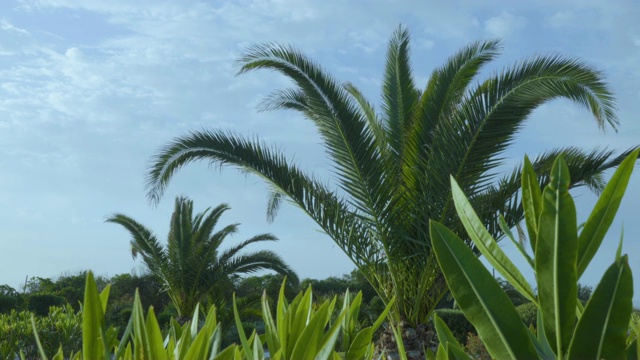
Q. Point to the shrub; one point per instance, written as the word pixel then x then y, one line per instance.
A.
pixel 528 313
pixel 61 327
pixel 39 304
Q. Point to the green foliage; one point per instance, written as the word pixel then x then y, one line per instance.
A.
pixel 39 304
pixel 192 268
pixel 528 313
pixel 9 299
pixel 299 331
pixel 457 322
pixel 392 163
pixel 560 255
pixel 61 327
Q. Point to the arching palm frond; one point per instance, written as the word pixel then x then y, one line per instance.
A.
pixel 393 166
pixel 191 267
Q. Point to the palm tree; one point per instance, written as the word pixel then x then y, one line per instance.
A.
pixel 393 164
pixel 191 267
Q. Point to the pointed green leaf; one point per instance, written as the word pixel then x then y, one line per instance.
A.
pixel 444 334
pixel 545 347
pixel 156 347
pixel 604 212
pixel 401 350
pixel 602 331
pixel 556 258
pixel 270 330
pixel 329 340
pixel 246 347
pixel 505 228
pixel 456 353
pixel 92 321
pixel 487 245
pixel 531 201
pixel 480 297
pixel 43 355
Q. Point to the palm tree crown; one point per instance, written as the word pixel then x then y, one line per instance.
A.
pixel 191 267
pixel 393 164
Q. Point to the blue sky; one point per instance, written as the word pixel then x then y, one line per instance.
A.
pixel 91 89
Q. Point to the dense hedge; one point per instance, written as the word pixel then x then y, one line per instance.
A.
pixel 39 304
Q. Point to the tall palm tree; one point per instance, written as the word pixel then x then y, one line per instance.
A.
pixel 191 267
pixel 393 164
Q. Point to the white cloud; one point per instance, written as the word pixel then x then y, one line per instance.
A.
pixel 505 25
pixel 561 19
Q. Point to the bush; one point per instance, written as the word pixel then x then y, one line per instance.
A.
pixel 39 304
pixel 528 313
pixel 60 327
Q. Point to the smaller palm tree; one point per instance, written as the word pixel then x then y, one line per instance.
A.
pixel 191 267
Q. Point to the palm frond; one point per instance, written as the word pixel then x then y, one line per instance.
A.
pixel 493 112
pixel 346 134
pixel 256 261
pixel 399 94
pixel 143 241
pixel 332 214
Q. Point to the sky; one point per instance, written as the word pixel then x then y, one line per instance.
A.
pixel 90 90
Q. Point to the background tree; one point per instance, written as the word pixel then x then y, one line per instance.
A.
pixel 192 268
pixel 393 164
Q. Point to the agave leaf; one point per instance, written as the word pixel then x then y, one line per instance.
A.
pixel 531 201
pixel 456 353
pixel 43 355
pixel 156 348
pixel 124 340
pixel 359 344
pixel 308 341
pixel 505 228
pixel 104 297
pixel 487 245
pixel 216 342
pixel 444 334
pixel 383 315
pixel 602 331
pixel 329 339
pixel 270 330
pixel 401 351
pixel 58 356
pixel 556 258
pixel 441 353
pixel 281 311
pixel 604 212
pixel 92 321
pixel 545 347
pixel 480 297
pixel 246 347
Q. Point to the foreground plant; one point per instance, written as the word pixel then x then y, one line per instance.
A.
pixel 301 331
pixel 392 164
pixel 565 329
pixel 298 332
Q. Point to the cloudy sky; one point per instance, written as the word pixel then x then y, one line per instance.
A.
pixel 91 89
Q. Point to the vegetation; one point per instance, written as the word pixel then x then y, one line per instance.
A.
pixel 560 255
pixel 392 166
pixel 192 268
pixel 298 331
